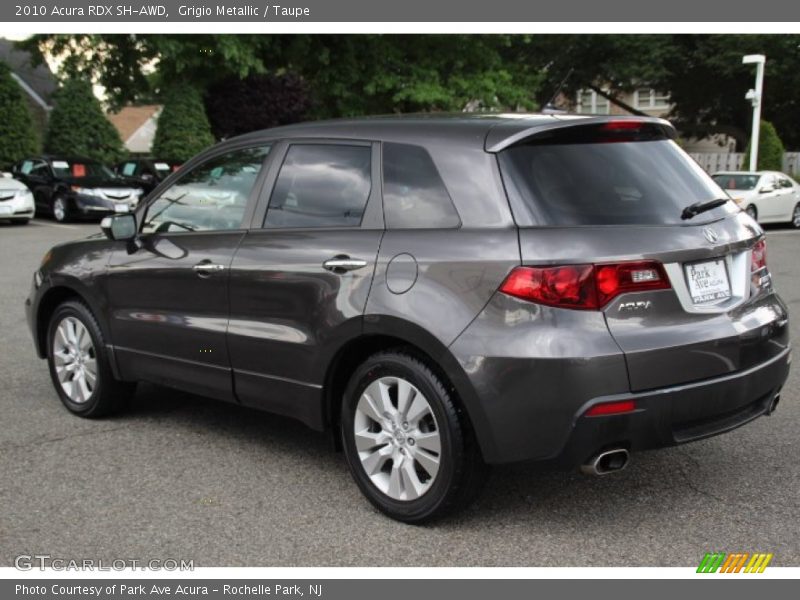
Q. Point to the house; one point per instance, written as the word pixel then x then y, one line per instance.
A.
pixel 651 102
pixel 137 127
pixel 37 82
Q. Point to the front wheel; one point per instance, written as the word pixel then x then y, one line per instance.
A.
pixel 796 216
pixel 60 209
pixel 409 446
pixel 79 365
pixel 751 210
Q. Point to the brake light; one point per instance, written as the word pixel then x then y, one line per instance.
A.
pixel 584 287
pixel 611 408
pixel 759 256
pixel 621 125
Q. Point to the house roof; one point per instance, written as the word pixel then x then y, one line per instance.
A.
pixel 39 78
pixel 131 118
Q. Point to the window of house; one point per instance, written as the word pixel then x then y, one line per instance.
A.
pixel 592 103
pixel 648 98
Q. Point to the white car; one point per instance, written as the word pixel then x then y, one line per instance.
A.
pixel 16 201
pixel 767 196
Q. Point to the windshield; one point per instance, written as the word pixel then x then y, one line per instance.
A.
pixel 736 182
pixel 606 183
pixel 81 169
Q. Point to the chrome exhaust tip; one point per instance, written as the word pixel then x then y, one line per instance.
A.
pixel 773 406
pixel 607 462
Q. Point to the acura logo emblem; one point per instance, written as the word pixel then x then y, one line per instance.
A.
pixel 710 234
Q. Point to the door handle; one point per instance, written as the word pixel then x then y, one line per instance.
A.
pixel 342 264
pixel 206 267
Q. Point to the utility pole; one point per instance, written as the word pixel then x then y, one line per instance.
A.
pixel 755 99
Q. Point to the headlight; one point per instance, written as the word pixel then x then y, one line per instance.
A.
pixel 82 190
pixel 23 195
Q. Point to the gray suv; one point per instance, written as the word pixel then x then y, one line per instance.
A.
pixel 441 293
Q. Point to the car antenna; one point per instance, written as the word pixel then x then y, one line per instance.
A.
pixel 549 106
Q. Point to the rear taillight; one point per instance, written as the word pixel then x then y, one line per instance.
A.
pixel 759 256
pixel 584 287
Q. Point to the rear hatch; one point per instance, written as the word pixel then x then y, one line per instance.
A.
pixel 685 292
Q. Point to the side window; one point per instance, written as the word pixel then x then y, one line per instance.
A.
pixel 414 194
pixel 39 169
pixel 321 185
pixel 784 182
pixel 212 196
pixel 128 169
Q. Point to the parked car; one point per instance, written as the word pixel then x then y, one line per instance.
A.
pixel 147 172
pixel 16 201
pixel 767 196
pixel 72 187
pixel 439 293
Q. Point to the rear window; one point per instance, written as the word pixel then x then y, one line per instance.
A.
pixel 605 182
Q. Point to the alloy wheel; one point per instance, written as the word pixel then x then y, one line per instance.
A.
pixel 397 438
pixel 75 360
pixel 796 216
pixel 59 209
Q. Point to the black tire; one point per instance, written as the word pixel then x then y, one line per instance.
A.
pixel 62 215
pixel 462 471
pixel 108 395
pixel 752 211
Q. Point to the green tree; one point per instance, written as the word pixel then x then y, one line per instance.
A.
pixel 78 126
pixel 347 74
pixel 183 128
pixel 770 149
pixel 18 136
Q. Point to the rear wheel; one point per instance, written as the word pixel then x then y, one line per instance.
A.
pixel 751 210
pixel 79 365
pixel 409 446
pixel 796 216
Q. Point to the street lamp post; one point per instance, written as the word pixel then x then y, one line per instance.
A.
pixel 755 99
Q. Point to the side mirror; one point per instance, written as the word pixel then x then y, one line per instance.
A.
pixel 767 189
pixel 119 227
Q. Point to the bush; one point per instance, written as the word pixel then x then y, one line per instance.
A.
pixel 183 128
pixel 237 106
pixel 78 126
pixel 18 137
pixel 770 150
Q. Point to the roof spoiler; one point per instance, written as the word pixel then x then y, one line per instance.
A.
pixel 504 135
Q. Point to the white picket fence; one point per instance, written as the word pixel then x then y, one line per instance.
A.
pixel 732 161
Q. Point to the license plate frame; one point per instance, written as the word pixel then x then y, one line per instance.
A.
pixel 708 281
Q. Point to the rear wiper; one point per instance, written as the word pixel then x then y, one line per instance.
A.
pixel 700 207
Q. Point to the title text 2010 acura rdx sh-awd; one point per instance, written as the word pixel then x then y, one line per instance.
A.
pixel 442 292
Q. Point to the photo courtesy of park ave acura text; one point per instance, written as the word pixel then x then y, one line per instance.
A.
pixel 399 300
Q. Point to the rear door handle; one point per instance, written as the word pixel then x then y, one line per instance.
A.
pixel 342 264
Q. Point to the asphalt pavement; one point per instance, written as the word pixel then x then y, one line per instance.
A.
pixel 180 476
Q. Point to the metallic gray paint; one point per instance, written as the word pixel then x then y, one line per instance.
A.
pixel 275 319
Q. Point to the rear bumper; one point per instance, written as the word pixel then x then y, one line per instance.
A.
pixel 679 414
pixel 529 373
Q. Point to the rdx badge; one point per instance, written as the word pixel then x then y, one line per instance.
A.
pixel 634 306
